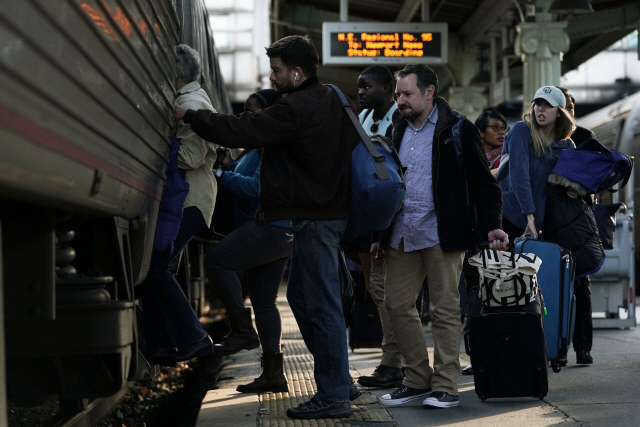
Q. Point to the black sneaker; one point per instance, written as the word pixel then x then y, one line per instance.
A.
pixel 316 408
pixel 583 357
pixel 404 395
pixel 383 377
pixel 354 393
pixel 440 399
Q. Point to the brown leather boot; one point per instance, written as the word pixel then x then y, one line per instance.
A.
pixel 272 377
pixel 242 337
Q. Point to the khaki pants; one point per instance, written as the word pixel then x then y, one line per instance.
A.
pixel 404 274
pixel 374 278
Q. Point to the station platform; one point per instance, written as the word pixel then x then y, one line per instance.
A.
pixel 606 393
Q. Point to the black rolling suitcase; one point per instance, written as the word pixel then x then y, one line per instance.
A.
pixel 366 331
pixel 508 350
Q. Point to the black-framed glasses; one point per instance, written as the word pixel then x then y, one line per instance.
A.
pixel 498 128
pixel 374 127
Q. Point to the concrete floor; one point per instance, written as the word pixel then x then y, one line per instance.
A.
pixel 606 393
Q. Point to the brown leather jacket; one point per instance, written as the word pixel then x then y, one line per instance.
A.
pixel 306 160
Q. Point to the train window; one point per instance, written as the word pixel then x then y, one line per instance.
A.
pixel 220 23
pixel 226 4
pixel 244 39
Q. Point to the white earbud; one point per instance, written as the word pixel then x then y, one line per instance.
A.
pixel 296 77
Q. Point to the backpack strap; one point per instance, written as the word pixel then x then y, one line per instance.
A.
pixel 455 138
pixel 378 158
pixel 389 133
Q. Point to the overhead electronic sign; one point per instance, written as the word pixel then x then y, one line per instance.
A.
pixel 366 43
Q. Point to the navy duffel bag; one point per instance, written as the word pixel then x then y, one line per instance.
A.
pixel 377 182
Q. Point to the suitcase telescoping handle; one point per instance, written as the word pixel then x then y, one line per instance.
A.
pixel 522 239
pixel 543 306
pixel 467 345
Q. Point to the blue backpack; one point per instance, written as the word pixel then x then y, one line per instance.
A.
pixel 377 184
pixel 594 166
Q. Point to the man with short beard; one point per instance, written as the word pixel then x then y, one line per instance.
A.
pixel 432 233
pixel 305 176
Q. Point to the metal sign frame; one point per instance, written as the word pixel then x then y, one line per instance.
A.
pixel 375 28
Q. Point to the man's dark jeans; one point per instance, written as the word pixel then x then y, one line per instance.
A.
pixel 314 296
pixel 169 319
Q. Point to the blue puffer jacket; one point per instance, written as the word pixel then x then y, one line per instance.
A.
pixel 244 183
pixel 524 187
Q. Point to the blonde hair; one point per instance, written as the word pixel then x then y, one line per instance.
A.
pixel 564 127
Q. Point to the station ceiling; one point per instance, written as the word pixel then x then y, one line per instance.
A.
pixel 471 22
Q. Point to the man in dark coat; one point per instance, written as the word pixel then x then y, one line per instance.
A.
pixel 307 140
pixel 432 233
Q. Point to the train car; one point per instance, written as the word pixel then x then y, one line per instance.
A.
pixel 615 286
pixel 85 122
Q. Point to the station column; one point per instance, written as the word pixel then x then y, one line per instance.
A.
pixel 468 100
pixel 541 45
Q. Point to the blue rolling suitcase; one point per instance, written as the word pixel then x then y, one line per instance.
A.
pixel 555 278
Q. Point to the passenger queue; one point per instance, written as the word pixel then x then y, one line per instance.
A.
pixel 291 198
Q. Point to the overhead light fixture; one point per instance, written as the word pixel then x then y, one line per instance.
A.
pixel 530 9
pixel 570 7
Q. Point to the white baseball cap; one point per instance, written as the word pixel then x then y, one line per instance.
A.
pixel 552 95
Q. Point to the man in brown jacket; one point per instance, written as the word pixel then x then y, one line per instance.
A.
pixel 307 141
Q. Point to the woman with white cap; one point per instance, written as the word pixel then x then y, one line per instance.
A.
pixel 529 154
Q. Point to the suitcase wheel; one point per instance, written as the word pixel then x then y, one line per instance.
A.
pixel 556 368
pixel 480 380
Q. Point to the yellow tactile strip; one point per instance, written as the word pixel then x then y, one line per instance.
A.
pixel 298 365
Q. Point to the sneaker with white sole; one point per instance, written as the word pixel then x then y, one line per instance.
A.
pixel 404 395
pixel 440 399
pixel 468 370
